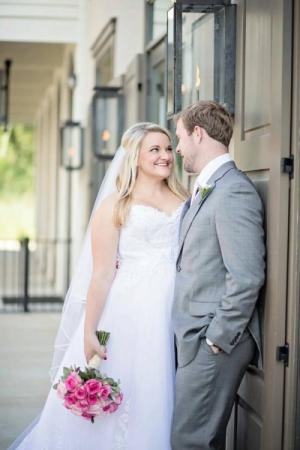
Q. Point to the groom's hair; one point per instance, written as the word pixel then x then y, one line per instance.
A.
pixel 211 116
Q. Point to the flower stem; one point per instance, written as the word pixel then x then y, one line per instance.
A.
pixel 102 336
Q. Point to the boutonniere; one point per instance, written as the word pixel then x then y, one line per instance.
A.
pixel 205 190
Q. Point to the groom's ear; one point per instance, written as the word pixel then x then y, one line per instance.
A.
pixel 198 134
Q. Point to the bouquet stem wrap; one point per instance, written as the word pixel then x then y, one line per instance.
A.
pixel 95 361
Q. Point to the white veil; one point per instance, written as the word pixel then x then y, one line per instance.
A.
pixel 75 300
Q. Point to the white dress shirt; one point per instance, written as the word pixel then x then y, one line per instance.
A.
pixel 208 171
pixel 202 179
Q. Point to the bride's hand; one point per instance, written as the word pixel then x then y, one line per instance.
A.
pixel 92 347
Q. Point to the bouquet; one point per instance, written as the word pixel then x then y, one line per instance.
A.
pixel 89 393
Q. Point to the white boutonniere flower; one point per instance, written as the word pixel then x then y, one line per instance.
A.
pixel 205 190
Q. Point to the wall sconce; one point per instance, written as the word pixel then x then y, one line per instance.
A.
pixel 4 93
pixel 107 121
pixel 200 53
pixel 72 145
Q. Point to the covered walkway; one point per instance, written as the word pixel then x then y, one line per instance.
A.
pixel 25 354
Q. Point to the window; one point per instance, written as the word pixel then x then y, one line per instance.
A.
pixel 157 18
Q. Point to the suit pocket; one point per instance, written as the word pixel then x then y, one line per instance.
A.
pixel 203 229
pixel 203 222
pixel 202 308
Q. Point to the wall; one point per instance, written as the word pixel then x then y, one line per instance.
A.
pixel 39 20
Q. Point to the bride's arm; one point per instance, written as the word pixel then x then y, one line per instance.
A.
pixel 105 238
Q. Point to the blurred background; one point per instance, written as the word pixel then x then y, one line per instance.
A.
pixel 74 74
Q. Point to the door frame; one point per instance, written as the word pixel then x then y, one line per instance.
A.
pixel 291 431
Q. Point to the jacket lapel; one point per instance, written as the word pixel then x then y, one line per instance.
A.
pixel 189 216
pixel 185 209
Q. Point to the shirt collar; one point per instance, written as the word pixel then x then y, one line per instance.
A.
pixel 211 168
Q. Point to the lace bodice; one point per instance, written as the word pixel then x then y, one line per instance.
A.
pixel 149 234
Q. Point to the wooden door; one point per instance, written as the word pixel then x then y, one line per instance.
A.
pixel 261 141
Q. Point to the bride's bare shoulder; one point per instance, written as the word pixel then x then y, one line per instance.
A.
pixel 110 201
pixel 104 213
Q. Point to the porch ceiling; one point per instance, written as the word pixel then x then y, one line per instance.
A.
pixel 32 71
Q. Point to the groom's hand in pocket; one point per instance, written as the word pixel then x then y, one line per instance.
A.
pixel 215 349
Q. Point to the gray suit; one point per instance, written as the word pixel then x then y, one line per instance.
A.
pixel 220 270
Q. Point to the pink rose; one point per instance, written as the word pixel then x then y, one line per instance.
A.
pixel 70 400
pixel 93 386
pixel 80 393
pixel 83 404
pixel 105 391
pixel 75 409
pixel 73 380
pixel 92 399
pixel 61 389
pixel 112 407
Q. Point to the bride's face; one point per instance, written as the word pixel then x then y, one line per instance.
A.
pixel 156 156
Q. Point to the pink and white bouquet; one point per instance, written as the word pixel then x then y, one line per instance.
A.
pixel 88 393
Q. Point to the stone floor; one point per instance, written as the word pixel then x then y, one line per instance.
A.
pixel 26 346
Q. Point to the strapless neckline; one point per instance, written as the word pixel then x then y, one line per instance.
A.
pixel 159 211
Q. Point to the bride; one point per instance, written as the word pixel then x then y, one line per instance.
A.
pixel 126 274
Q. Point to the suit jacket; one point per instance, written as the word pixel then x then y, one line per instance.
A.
pixel 220 267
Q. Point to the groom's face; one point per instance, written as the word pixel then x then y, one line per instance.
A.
pixel 186 147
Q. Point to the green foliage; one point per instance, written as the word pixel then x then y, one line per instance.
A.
pixel 17 165
pixel 17 173
pixel 67 371
pixel 17 217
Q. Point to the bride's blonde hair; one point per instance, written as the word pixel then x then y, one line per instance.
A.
pixel 132 141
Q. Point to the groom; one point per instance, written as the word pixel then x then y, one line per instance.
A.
pixel 220 270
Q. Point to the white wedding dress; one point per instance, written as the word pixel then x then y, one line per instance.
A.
pixel 140 349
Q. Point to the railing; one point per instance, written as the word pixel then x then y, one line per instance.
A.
pixel 33 274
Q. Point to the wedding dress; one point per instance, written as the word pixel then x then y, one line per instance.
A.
pixel 140 350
